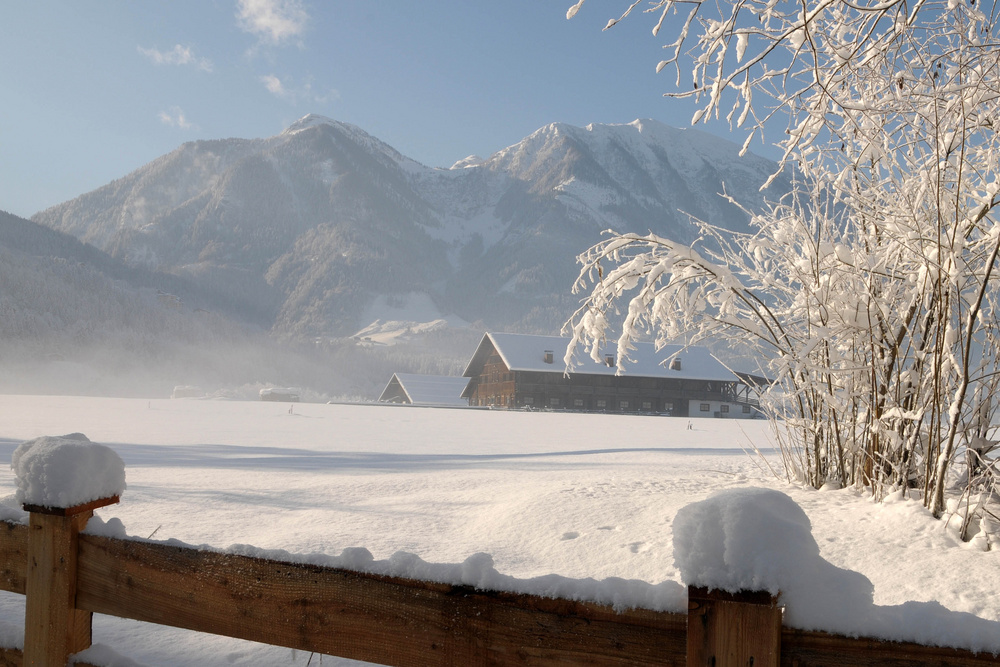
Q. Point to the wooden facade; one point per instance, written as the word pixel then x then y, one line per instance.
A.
pixel 394 393
pixel 494 383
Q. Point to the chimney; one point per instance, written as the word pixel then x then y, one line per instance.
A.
pixel 675 364
pixel 548 356
pixel 609 359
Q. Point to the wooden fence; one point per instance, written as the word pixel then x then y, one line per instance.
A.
pixel 68 576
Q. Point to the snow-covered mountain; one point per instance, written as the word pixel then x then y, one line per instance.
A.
pixel 309 230
pixel 75 320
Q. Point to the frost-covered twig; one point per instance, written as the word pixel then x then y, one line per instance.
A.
pixel 868 293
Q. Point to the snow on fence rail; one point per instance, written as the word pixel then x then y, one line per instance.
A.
pixel 68 575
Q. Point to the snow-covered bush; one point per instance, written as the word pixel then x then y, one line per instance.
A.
pixel 869 293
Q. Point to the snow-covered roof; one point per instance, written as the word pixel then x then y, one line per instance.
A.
pixel 430 389
pixel 523 352
pixel 278 391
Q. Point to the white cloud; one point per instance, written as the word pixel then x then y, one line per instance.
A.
pixel 273 21
pixel 179 55
pixel 274 85
pixel 175 118
pixel 303 92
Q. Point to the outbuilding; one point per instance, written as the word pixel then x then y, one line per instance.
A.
pixel 415 389
pixel 527 371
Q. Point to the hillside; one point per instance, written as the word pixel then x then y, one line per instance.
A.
pixel 74 320
pixel 307 231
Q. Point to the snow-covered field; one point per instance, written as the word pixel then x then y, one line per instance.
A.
pixel 582 496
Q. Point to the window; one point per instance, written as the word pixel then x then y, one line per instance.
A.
pixel 529 400
pixel 705 407
pixel 668 406
pixel 746 409
pixel 577 402
pixel 723 408
pixel 601 404
pixel 623 405
pixel 554 402
pixel 647 405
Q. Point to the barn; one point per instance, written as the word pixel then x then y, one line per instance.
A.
pixel 414 389
pixel 526 371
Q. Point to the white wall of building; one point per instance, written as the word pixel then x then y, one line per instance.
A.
pixel 720 409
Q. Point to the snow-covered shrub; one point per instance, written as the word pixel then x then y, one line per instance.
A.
pixel 869 293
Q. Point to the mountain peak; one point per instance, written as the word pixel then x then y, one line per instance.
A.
pixel 310 120
pixel 470 161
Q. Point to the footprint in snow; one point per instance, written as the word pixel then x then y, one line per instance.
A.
pixel 572 535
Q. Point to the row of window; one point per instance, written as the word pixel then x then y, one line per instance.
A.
pixel 557 403
pixel 626 382
pixel 602 404
pixel 724 408
pixel 494 376
pixel 503 400
pixel 624 404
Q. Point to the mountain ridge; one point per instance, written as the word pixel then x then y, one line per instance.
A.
pixel 310 227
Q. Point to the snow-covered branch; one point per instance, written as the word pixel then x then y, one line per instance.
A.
pixel 869 293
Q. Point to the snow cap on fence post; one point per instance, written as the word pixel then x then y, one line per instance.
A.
pixel 741 539
pixel 760 540
pixel 69 472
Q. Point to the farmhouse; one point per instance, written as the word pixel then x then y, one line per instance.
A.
pixel 281 394
pixel 416 389
pixel 523 371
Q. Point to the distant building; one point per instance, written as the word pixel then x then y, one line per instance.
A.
pixel 414 389
pixel 280 394
pixel 169 300
pixel 187 391
pixel 522 371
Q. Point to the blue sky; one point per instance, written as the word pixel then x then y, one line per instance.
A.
pixel 91 90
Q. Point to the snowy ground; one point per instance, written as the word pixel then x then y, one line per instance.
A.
pixel 575 495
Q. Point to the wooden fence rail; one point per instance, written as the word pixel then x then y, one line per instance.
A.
pixel 396 621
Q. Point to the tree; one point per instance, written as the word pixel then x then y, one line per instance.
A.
pixel 869 293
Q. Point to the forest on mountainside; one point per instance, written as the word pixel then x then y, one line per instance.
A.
pixel 74 320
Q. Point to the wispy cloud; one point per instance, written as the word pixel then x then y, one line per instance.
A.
pixel 273 21
pixel 301 92
pixel 179 55
pixel 175 118
pixel 274 85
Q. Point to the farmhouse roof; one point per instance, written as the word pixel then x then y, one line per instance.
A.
pixel 430 389
pixel 522 352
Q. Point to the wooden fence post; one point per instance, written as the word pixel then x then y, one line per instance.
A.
pixel 54 628
pixel 733 629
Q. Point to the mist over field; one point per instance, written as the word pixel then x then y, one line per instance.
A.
pixel 323 259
